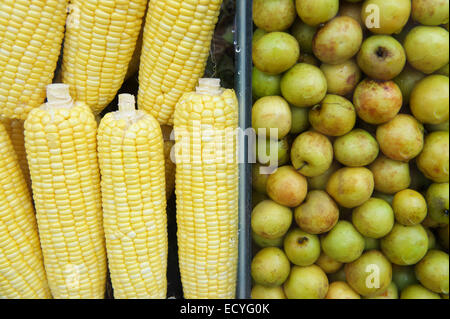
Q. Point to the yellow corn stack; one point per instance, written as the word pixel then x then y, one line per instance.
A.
pixel 31 32
pixel 60 139
pixel 130 150
pixel 15 131
pixel 207 190
pixel 177 38
pixel 22 274
pixel 169 162
pixel 100 40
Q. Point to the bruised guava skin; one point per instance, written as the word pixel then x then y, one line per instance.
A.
pixel 287 187
pixel 320 182
pixel 315 12
pixel 430 223
pixel 351 9
pixel 269 114
pixel 356 148
pixel 334 116
pixel 341 290
pixel 318 214
pixel 430 100
pixel 341 78
pixel 405 245
pixel 351 186
pixel 437 197
pixel 401 138
pixel 393 15
pixel 427 48
pixel 311 153
pixel 343 243
pixel 337 41
pixel 274 15
pixel 390 293
pixel 328 264
pixel 270 267
pixel 390 176
pixel 306 283
pixel 308 58
pixel 381 57
pixel 433 162
pixel 410 207
pixel 265 242
pixel 430 12
pixel 433 271
pixel 271 220
pixel 377 102
pixel 301 248
pixel 359 273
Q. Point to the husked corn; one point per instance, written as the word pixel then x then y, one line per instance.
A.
pixel 61 144
pixel 131 155
pixel 22 274
pixel 31 33
pixel 99 44
pixel 177 39
pixel 15 130
pixel 133 66
pixel 207 190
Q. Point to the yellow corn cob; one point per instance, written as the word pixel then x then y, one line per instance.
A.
pixel 169 163
pixel 31 32
pixel 15 130
pixel 22 273
pixel 177 38
pixel 133 66
pixel 60 139
pixel 131 157
pixel 100 40
pixel 207 191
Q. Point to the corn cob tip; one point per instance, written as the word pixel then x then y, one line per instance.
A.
pixel 58 92
pixel 127 103
pixel 58 95
pixel 209 86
